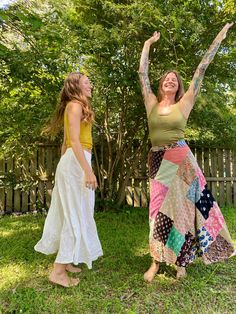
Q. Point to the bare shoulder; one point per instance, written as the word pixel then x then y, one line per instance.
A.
pixel 74 107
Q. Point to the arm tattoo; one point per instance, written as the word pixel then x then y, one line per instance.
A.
pixel 199 73
pixel 145 83
pixel 197 80
pixel 143 73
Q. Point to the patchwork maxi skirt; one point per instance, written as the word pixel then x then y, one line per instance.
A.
pixel 70 229
pixel 185 220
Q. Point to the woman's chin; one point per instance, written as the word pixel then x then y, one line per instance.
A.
pixel 170 92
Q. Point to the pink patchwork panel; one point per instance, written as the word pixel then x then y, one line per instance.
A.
pixel 215 221
pixel 157 195
pixel 201 178
pixel 176 155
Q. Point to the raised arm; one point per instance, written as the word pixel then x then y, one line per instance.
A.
pixel 148 96
pixel 188 100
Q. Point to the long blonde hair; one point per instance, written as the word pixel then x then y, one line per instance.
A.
pixel 180 92
pixel 70 91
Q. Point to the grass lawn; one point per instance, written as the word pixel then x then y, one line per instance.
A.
pixel 115 284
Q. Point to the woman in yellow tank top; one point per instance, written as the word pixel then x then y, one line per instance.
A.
pixel 70 229
pixel 185 220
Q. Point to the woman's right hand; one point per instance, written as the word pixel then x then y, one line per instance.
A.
pixel 90 180
pixel 155 37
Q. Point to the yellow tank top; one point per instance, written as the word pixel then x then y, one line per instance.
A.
pixel 166 129
pixel 85 136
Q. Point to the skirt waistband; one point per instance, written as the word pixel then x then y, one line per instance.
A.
pixel 180 143
pixel 69 149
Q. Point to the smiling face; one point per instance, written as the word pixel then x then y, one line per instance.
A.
pixel 85 86
pixel 170 84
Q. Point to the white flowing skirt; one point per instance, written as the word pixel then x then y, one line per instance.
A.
pixel 70 229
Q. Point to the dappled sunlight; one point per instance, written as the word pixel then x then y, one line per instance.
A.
pixel 165 278
pixel 140 251
pixel 15 231
pixel 6 233
pixel 14 275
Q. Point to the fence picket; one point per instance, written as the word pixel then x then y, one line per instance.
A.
pixel 228 174
pixel 221 198
pixel 234 176
pixel 213 172
pixel 33 189
pixel 2 189
pixel 9 189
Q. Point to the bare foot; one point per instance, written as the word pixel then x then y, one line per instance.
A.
pixel 181 272
pixel 63 280
pixel 150 274
pixel 72 269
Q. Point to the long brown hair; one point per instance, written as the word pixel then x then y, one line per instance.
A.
pixel 70 91
pixel 180 92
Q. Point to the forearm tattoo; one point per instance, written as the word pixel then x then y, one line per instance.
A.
pixel 208 57
pixel 143 74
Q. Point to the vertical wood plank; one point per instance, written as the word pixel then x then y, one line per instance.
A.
pixel 221 174
pixel 17 200
pixel 144 193
pixel 24 193
pixel 49 172
pixel 199 158
pixel 213 173
pixel 9 189
pixel 17 191
pixel 41 173
pixel 206 160
pixel 144 178
pixel 2 190
pixel 228 175
pixel 33 190
pixel 49 161
pixel 234 175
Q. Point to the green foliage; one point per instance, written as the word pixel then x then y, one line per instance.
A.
pixel 115 284
pixel 43 40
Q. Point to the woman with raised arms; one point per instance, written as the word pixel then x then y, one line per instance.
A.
pixel 185 220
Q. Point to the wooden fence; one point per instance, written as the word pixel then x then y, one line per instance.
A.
pixel 26 185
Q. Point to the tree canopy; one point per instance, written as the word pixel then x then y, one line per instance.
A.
pixel 41 41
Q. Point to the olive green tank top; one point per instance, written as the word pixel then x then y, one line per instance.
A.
pixel 166 129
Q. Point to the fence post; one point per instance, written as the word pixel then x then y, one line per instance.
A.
pixel 2 189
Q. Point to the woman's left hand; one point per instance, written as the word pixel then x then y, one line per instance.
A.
pixel 226 28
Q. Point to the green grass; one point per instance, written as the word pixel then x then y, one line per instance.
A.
pixel 115 284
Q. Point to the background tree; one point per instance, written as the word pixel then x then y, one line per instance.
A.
pixel 41 41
